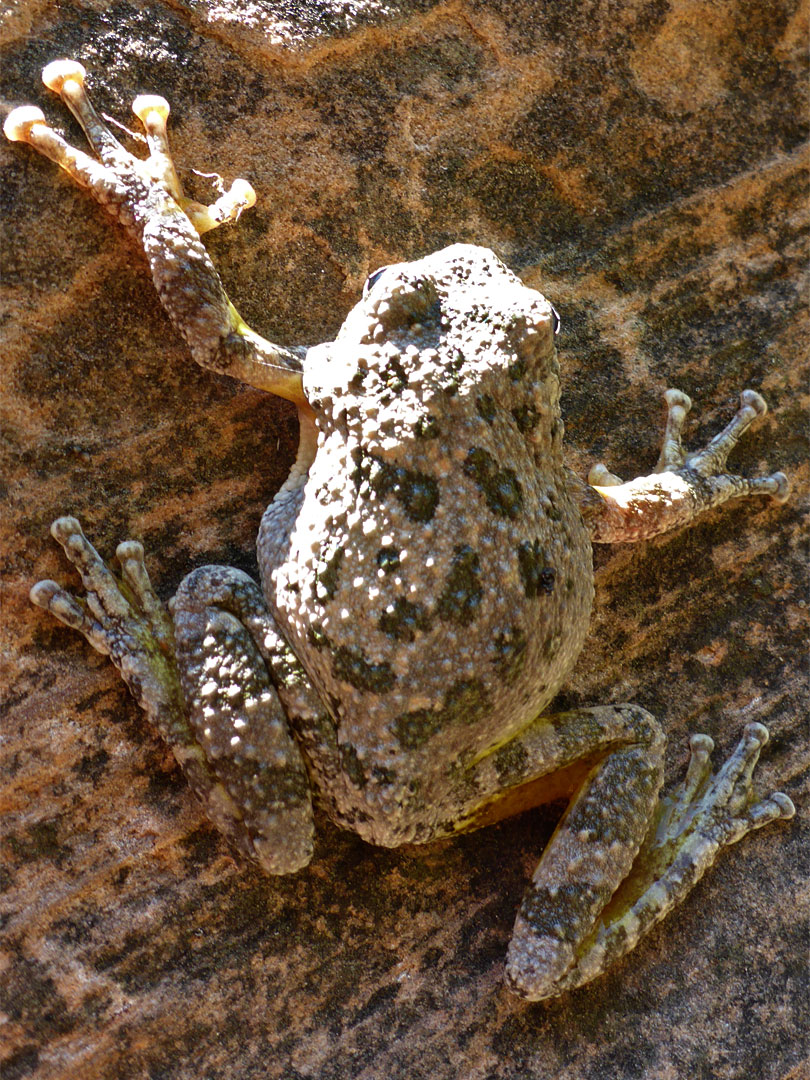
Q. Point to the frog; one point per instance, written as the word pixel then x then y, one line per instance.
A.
pixel 426 585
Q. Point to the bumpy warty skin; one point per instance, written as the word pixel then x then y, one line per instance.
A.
pixel 433 575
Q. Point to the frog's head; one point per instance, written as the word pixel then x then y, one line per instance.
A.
pixel 442 325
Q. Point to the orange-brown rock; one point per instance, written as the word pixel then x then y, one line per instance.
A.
pixel 645 165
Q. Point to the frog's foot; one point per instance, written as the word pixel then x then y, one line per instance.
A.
pixel 683 485
pixel 704 814
pixel 232 741
pixel 121 618
pixel 109 180
pixel 147 198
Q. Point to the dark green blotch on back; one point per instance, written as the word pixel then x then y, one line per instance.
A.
pixel 536 575
pixel 317 637
pixel 526 417
pixel 427 427
pixel 388 559
pixel 403 622
pixel 383 776
pixel 352 765
pixel 462 593
pixel 328 576
pixel 510 653
pixel 463 704
pixel 486 408
pixel 416 491
pixel 394 376
pixel 500 487
pixel 517 369
pixel 352 666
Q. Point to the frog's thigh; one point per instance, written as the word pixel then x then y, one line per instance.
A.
pixel 612 759
pixel 224 634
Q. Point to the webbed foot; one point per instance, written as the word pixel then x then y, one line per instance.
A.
pixel 122 618
pixel 683 485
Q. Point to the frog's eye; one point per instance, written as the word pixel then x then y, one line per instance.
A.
pixel 372 280
pixel 555 320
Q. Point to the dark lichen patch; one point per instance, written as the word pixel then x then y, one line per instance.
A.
pixel 394 377
pixel 31 997
pixel 317 637
pixel 23 1062
pixel 427 427
pixel 463 704
pixel 352 766
pixel 517 369
pixel 328 573
pixel 510 653
pixel 404 620
pixel 388 559
pixel 351 665
pixel 563 914
pixel 201 846
pixel 416 491
pixel 510 763
pixel 91 767
pixel 463 592
pixel 39 841
pixel 500 486
pixel 486 408
pixel 626 780
pixel 526 417
pixel 516 195
pixel 535 573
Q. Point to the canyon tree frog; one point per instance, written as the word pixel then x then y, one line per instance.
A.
pixel 426 586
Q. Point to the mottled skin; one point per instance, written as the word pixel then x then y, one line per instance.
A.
pixel 426 586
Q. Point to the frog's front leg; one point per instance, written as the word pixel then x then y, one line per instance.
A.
pixel 203 680
pixel 681 487
pixel 620 858
pixel 146 197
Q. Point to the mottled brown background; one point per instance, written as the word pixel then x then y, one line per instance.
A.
pixel 641 162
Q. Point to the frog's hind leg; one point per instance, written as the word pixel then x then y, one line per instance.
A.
pixel 596 893
pixel 620 858
pixel 146 197
pixel 204 684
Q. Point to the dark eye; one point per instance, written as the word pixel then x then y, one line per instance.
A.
pixel 555 318
pixel 372 280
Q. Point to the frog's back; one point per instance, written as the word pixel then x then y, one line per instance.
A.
pixel 436 582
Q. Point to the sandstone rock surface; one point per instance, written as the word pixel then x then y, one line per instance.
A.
pixel 644 164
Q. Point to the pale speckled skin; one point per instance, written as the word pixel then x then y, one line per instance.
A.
pixel 427 584
pixel 438 473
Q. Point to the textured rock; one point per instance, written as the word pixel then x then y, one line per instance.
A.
pixel 644 165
